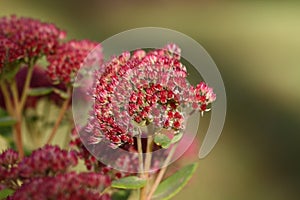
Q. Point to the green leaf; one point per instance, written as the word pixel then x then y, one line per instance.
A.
pixel 162 140
pixel 121 194
pixel 173 184
pixel 10 70
pixel 130 182
pixel 40 91
pixel 61 93
pixel 7 121
pixel 5 193
pixel 177 137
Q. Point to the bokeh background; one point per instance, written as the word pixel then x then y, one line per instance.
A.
pixel 255 44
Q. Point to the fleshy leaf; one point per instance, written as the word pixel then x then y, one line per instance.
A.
pixel 40 91
pixel 121 194
pixel 177 137
pixel 7 121
pixel 5 193
pixel 173 184
pixel 61 93
pixel 162 140
pixel 130 183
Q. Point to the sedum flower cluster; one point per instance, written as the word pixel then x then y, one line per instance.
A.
pixel 143 88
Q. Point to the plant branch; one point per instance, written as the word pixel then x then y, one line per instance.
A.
pixel 62 112
pixel 18 115
pixel 26 85
pixel 148 155
pixel 148 159
pixel 6 96
pixel 106 190
pixel 140 152
pixel 162 171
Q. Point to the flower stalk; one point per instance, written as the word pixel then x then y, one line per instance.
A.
pixel 61 115
pixel 162 171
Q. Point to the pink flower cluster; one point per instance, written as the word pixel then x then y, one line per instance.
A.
pixel 143 107
pixel 9 160
pixel 68 186
pixel 45 174
pixel 204 95
pixel 144 88
pixel 32 38
pixel 69 57
pixel 9 52
pixel 49 160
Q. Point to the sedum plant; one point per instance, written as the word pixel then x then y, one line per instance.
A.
pixel 141 103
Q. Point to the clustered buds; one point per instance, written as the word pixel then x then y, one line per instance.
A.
pixel 147 104
pixel 68 186
pixel 204 96
pixel 31 38
pixel 45 174
pixel 9 52
pixel 9 171
pixel 49 160
pixel 69 57
pixel 143 88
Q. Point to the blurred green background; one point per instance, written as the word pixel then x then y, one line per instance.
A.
pixel 255 44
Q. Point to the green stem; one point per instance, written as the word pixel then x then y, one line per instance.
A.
pixel 68 136
pixel 140 152
pixel 106 190
pixel 18 115
pixel 144 191
pixel 6 97
pixel 26 84
pixel 162 172
pixel 62 112
pixel 148 155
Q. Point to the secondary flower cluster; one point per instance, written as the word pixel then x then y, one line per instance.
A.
pixel 143 87
pixel 25 40
pixel 28 37
pixel 65 187
pixel 45 174
pixel 204 95
pixel 69 57
pixel 49 160
pixel 9 160
pixel 9 52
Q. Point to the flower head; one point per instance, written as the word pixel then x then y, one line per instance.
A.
pixel 143 88
pixel 32 37
pixel 9 160
pixel 69 57
pixel 9 52
pixel 65 187
pixel 49 160
pixel 203 96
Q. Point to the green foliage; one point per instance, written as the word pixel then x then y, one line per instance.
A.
pixel 40 91
pixel 121 195
pixel 130 183
pixel 7 121
pixel 177 138
pixel 5 193
pixel 173 184
pixel 162 140
pixel 61 93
